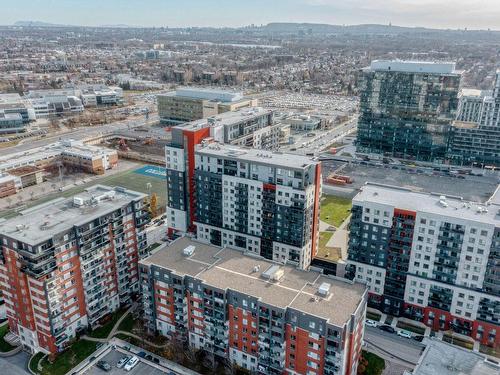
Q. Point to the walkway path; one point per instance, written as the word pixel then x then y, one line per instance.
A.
pixel 115 332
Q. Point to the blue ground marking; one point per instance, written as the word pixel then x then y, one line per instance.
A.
pixel 152 171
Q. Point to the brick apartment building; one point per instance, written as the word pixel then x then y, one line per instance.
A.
pixel 66 264
pixel 264 316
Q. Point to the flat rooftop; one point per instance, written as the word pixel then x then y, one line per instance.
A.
pixel 42 222
pixel 226 268
pixel 444 359
pixel 70 147
pixel 252 155
pixel 227 118
pixel 208 94
pixel 408 66
pixel 408 199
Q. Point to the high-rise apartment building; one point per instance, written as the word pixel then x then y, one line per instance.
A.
pixel 475 135
pixel 259 201
pixel 264 316
pixel 430 258
pixel 189 104
pixel 250 127
pixel 407 108
pixel 66 264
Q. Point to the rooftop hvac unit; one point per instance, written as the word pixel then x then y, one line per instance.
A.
pixel 188 251
pixel 273 273
pixel 324 289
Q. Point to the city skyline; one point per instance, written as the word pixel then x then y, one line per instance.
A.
pixel 157 13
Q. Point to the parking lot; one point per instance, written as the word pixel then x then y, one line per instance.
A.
pixel 474 188
pixel 115 355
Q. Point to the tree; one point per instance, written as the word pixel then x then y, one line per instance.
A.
pixel 153 205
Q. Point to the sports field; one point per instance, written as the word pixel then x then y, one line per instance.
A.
pixel 134 179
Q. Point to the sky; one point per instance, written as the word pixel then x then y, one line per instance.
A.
pixel 472 14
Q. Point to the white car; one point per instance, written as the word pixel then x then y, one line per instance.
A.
pixel 371 323
pixel 132 362
pixel 405 334
pixel 122 361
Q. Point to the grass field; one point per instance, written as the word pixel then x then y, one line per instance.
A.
pixel 4 346
pixel 334 210
pixel 70 358
pixel 127 179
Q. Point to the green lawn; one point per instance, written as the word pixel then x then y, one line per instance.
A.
pixel 334 210
pixel 34 362
pixel 127 179
pixel 70 358
pixel 370 364
pixel 103 331
pixel 127 324
pixel 4 346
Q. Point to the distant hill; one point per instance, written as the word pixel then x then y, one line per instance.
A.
pixel 37 24
pixel 284 27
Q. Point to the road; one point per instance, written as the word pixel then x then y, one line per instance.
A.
pixel 84 133
pixel 392 347
pixel 15 365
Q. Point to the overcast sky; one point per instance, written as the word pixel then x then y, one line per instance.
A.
pixel 473 14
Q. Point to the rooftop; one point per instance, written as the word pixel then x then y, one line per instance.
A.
pixel 435 203
pixel 207 94
pixel 431 67
pixel 227 118
pixel 68 146
pixel 445 359
pixel 42 222
pixel 277 159
pixel 225 268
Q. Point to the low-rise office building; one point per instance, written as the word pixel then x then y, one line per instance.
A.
pixel 266 317
pixel 429 257
pixel 66 264
pixel 187 104
pixel 71 153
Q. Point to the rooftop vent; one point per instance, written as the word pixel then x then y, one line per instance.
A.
pixel 188 251
pixel 273 273
pixel 324 289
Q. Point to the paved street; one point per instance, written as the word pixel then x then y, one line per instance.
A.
pixel 15 365
pixel 84 133
pixel 392 347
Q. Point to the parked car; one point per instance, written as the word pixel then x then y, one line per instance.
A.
pixel 418 338
pixel 103 365
pixel 387 328
pixel 370 323
pixel 141 354
pixel 122 361
pixel 132 362
pixel 405 334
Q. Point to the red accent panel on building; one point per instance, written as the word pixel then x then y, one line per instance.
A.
pixel 478 330
pixel 297 348
pixel 191 139
pixel 242 337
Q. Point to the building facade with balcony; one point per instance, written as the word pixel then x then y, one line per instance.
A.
pixel 429 257
pixel 258 201
pixel 66 264
pixel 252 127
pixel 261 315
